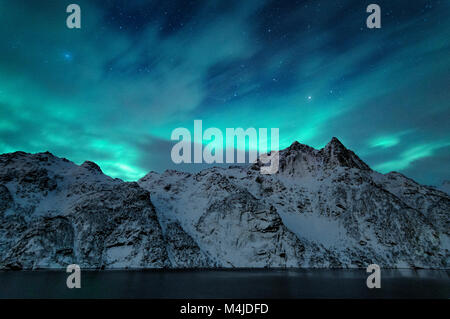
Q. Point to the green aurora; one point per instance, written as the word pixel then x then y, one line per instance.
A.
pixel 113 91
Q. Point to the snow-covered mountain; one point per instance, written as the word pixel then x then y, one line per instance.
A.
pixel 324 208
pixel 54 213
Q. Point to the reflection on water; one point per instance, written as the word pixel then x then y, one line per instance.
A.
pixel 304 283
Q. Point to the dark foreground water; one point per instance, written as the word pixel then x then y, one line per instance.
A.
pixel 227 284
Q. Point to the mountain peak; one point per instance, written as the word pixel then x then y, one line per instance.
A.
pixel 335 153
pixel 332 155
pixel 91 166
pixel 335 143
pixel 298 146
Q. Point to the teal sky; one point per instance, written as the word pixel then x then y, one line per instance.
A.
pixel 113 91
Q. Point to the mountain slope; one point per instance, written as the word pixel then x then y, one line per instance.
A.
pixel 341 212
pixel 324 208
pixel 55 213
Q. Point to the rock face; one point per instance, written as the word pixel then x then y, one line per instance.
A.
pixel 324 208
pixel 54 213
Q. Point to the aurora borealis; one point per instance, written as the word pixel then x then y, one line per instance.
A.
pixel 113 91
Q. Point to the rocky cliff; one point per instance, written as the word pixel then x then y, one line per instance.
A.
pixel 324 208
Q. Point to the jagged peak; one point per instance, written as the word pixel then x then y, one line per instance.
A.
pixel 335 153
pixel 297 147
pixel 19 156
pixel 91 166
pixel 335 144
pixel 25 154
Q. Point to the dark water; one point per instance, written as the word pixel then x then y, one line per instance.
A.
pixel 227 284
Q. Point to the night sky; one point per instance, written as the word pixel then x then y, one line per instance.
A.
pixel 113 91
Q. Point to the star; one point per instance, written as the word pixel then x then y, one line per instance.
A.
pixel 67 56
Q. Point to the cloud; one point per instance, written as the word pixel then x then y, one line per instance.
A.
pixel 409 156
pixel 140 69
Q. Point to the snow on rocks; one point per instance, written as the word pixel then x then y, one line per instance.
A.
pixel 324 208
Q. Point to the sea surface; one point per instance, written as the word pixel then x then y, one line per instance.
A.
pixel 234 284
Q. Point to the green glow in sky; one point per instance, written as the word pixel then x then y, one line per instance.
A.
pixel 113 91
